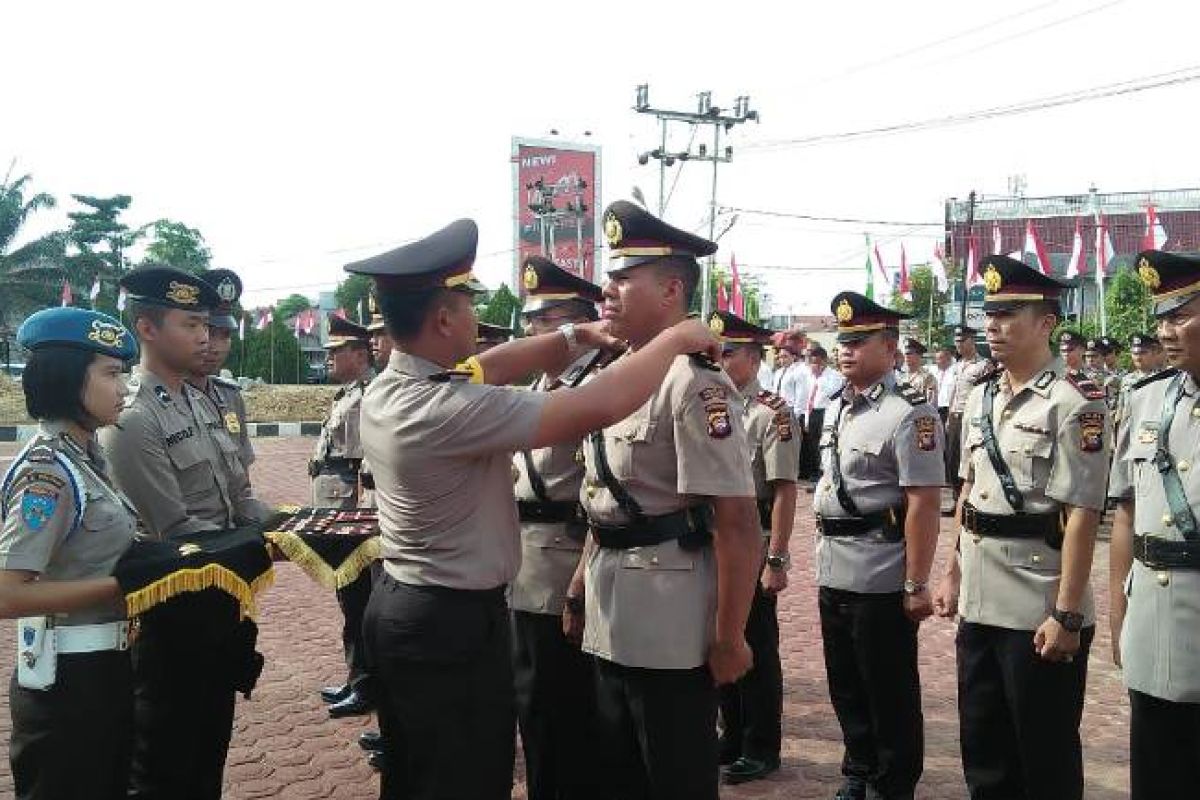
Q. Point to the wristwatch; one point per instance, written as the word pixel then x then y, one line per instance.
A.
pixel 575 603
pixel 568 332
pixel 1071 622
pixel 913 587
pixel 779 561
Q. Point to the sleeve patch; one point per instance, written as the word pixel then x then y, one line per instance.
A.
pixel 926 433
pixel 37 506
pixel 1091 432
pixel 719 425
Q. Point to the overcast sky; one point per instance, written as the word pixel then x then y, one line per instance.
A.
pixel 300 136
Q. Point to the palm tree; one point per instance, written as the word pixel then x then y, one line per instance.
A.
pixel 30 272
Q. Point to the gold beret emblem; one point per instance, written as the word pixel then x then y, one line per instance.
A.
pixel 185 294
pixel 844 312
pixel 612 230
pixel 992 280
pixel 1148 275
pixel 716 325
pixel 107 334
pixel 530 279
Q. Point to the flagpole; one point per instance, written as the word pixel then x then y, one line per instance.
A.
pixel 271 325
pixel 242 336
pixel 929 327
pixel 962 309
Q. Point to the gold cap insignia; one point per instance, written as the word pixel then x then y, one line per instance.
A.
pixel 1148 275
pixel 107 334
pixel 844 312
pixel 226 290
pixel 612 230
pixel 530 279
pixel 716 325
pixel 992 280
pixel 372 304
pixel 183 293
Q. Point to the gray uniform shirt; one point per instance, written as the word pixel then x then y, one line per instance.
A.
pixel 1056 441
pixel 171 456
pixel 772 437
pixel 226 395
pixel 655 607
pixel 226 418
pixel 886 443
pixel 441 452
pixel 1160 639
pixel 62 519
pixel 549 552
pixel 340 438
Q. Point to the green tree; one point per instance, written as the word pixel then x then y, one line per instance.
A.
pixel 174 244
pixel 30 272
pixel 351 295
pixel 99 243
pixel 931 327
pixel 257 361
pixel 292 305
pixel 500 307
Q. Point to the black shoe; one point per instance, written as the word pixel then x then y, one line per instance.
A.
pixel 353 705
pixel 371 741
pixel 336 694
pixel 727 753
pixel 852 789
pixel 746 769
pixel 376 760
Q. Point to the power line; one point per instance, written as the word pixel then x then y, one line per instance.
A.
pixel 1133 86
pixel 817 218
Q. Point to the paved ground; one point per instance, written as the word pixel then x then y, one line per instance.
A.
pixel 284 746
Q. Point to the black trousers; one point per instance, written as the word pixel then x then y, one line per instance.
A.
pixel 556 711
pixel 954 451
pixel 73 741
pixel 443 668
pixel 752 708
pixel 661 727
pixel 352 599
pixel 810 454
pixel 871 664
pixel 1019 715
pixel 1164 747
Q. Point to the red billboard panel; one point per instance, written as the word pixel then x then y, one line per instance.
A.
pixel 556 191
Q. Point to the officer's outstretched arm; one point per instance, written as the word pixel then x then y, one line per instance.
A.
pixel 513 360
pixel 570 414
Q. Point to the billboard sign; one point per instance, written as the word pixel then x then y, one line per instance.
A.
pixel 556 192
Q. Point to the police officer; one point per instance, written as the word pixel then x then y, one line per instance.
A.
pixel 915 374
pixel 172 457
pixel 1034 461
pixel 381 352
pixel 1143 349
pixel 1070 348
pixel 1154 556
pixel 62 529
pixel 555 681
pixel 752 708
pixel 441 447
pixel 971 365
pixel 659 484
pixel 877 509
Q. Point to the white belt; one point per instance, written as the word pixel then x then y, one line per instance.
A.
pixel 92 638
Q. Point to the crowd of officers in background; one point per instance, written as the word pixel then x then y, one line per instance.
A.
pixel 594 559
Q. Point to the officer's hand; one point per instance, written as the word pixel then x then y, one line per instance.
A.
pixel 773 581
pixel 693 336
pixel 945 598
pixel 728 661
pixel 1054 643
pixel 572 626
pixel 918 606
pixel 595 336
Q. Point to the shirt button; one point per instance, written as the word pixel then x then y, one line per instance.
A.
pixel 1184 466
pixel 591 492
pixel 1163 578
pixel 983 495
pixel 654 560
pixel 558 540
pixel 1035 558
pixel 1007 413
pixel 1196 411
pixel 1168 520
pixel 1028 449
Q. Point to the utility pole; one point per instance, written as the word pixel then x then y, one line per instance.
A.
pixel 965 277
pixel 705 114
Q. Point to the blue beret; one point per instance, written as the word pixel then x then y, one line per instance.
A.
pixel 78 327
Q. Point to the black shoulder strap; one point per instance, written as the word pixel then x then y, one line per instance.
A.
pixel 535 480
pixel 624 500
pixel 1181 510
pixel 1011 492
pixel 835 464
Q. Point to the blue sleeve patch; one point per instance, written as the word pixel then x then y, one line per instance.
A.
pixel 37 507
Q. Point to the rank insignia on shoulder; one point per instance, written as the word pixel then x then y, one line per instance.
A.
pixel 1170 372
pixel 1091 432
pixel 990 371
pixel 914 396
pixel 163 395
pixel 1085 385
pixel 926 433
pixel 1044 380
pixel 875 392
pixel 712 393
pixel 40 454
pixel 704 362
pixel 456 375
pixel 37 506
pixel 770 400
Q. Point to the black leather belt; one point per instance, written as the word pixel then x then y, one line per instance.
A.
pixel 565 511
pixel 1158 553
pixel 692 527
pixel 890 522
pixel 1046 526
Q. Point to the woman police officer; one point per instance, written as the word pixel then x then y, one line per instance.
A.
pixel 64 528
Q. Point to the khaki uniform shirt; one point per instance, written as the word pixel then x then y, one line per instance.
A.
pixel 441 452
pixel 62 519
pixel 1160 640
pixel 774 442
pixel 172 457
pixel 227 417
pixel 655 607
pixel 964 379
pixel 924 382
pixel 887 441
pixel 1127 382
pixel 1056 442
pixel 340 438
pixel 549 550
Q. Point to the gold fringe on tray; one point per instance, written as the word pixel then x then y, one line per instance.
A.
pixel 197 580
pixel 307 559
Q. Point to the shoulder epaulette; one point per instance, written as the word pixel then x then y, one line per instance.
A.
pixel 990 371
pixel 1158 376
pixel 1085 385
pixel 451 375
pixel 228 383
pixel 704 362
pixel 771 400
pixel 914 396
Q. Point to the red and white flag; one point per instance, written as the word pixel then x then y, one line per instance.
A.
pixel 1075 265
pixel 905 288
pixel 1155 237
pixel 722 296
pixel 1104 250
pixel 737 298
pixel 1033 244
pixel 341 312
pixel 67 297
pixel 997 239
pixel 973 276
pixel 939 268
pixel 879 265
pixel 265 318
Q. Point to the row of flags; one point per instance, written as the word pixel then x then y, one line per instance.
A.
pixel 735 300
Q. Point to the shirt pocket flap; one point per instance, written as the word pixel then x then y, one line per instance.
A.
pixel 550 537
pixel 1033 555
pixel 637 427
pixel 1142 451
pixel 658 559
pixel 185 454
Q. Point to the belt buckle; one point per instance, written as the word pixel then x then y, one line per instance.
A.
pixel 968 517
pixel 820 525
